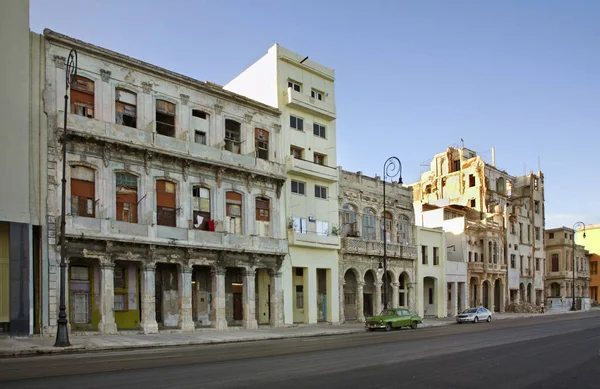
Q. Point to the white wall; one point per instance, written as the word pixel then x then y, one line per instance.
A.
pixel 431 238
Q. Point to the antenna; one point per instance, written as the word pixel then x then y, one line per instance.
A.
pixel 463 142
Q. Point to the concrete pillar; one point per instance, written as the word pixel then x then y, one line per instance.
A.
pixel 249 298
pixel 218 298
pixel 310 294
pixel 465 297
pixel 107 323
pixel 276 313
pixel 412 301
pixel 503 295
pixel 492 294
pixel 453 299
pixel 360 310
pixel 342 301
pixel 186 323
pixel 378 306
pixel 394 297
pixel 149 325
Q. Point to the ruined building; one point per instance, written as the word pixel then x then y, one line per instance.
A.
pixel 503 221
pixel 173 197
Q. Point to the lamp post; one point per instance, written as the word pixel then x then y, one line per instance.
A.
pixel 392 168
pixel 62 334
pixel 575 226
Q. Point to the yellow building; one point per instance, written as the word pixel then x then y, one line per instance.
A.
pixel 304 91
pixel 592 244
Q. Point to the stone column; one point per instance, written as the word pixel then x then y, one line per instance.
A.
pixel 149 325
pixel 378 307
pixel 186 323
pixel 412 302
pixel 276 313
pixel 107 323
pixel 492 297
pixel 453 299
pixel 218 298
pixel 249 297
pixel 342 301
pixel 360 310
pixel 394 297
pixel 465 297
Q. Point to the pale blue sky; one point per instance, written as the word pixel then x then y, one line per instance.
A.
pixel 412 77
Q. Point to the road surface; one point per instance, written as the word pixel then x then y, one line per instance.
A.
pixel 559 351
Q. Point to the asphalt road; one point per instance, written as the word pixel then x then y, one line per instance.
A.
pixel 547 352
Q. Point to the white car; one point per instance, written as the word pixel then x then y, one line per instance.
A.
pixel 474 315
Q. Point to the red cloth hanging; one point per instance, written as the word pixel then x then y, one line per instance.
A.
pixel 211 225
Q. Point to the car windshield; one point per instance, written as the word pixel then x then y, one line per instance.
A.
pixel 388 312
pixel 470 310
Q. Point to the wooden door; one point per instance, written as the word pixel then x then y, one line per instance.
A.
pixel 158 295
pixel 238 310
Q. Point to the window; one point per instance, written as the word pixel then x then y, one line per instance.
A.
pixel 535 184
pixel 320 192
pixel 322 228
pixel 120 302
pixel 594 268
pixel 201 207
pixel 513 260
pixel 554 262
pixel 455 165
pixel 404 230
pixel 125 108
pixel 470 256
pixel 233 208
pixel 165 203
pixel 120 277
pixel 521 263
pixel 512 228
pixel 319 159
pixel 500 186
pixel 475 257
pixel 298 187
pixel 521 232
pixel 83 191
pixel 297 123
pixel 316 94
pixel 299 296
pixel 551 235
pixel 537 264
pixel 126 198
pixel 436 256
pixel 528 233
pixel 165 118
pixel 319 130
pixel 369 225
pixel 232 136
pixel 296 152
pixel 472 203
pixel 536 206
pixel 387 219
pixel 82 97
pixel 263 216
pixel 261 142
pixel 424 258
pixel 299 224
pixel 200 137
pixel 537 233
pixel 471 180
pixel 349 227
pixel 295 86
pixel 199 114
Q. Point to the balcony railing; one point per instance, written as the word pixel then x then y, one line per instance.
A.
pixel 476 267
pixel 311 169
pixel 312 239
pixel 368 247
pixel 296 99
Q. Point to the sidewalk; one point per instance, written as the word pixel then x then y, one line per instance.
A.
pixel 11 347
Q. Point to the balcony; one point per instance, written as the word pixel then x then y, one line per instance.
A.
pixel 364 247
pixel 159 143
pixel 108 229
pixel 299 100
pixel 314 240
pixel 476 267
pixel 310 169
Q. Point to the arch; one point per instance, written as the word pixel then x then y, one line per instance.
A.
pixel 369 292
pixel 403 289
pixel 350 294
pixel 430 303
pixel 369 223
pixel 555 289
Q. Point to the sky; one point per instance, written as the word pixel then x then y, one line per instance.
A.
pixel 412 77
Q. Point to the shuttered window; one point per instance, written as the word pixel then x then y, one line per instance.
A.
pixel 83 191
pixel 165 203
pixel 125 108
pixel 126 197
pixel 262 210
pixel 201 205
pixel 82 97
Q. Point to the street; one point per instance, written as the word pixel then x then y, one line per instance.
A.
pixel 560 351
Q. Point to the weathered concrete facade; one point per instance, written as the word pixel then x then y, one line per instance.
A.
pixel 174 197
pixel 361 254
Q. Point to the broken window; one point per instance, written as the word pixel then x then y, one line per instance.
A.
pixel 315 94
pixel 261 142
pixel 199 114
pixel 200 137
pixel 200 125
pixel 201 207
pixel 126 197
pixel 349 227
pixel 322 228
pixel 387 219
pixel 298 187
pixel 471 180
pixel 369 220
pixel 297 123
pixel 320 192
pixel 427 189
pixel 455 166
pixel 125 108
pixel 83 191
pixel 82 97
pixel 234 212
pixel 296 152
pixel 295 85
pixel 232 136
pixel 263 216
pixel 500 186
pixel 319 159
pixel 165 118
pixel 536 206
pixel 166 203
pixel 319 130
pixel 403 230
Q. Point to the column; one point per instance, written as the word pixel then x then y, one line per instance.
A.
pixel 453 299
pixel 492 295
pixel 186 323
pixel 276 308
pixel 360 311
pixel 503 295
pixel 107 299
pixel 465 296
pixel 218 298
pixel 149 325
pixel 412 301
pixel 378 307
pixel 342 301
pixel 249 297
pixel 394 297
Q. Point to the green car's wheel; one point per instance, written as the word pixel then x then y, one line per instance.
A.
pixel 388 326
pixel 414 325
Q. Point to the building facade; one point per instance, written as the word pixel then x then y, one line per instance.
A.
pixel 430 272
pixel 565 257
pixel 592 245
pixel 304 91
pixel 362 228
pixel 174 197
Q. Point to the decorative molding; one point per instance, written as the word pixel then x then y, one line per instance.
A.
pixel 249 180
pixel 148 161
pixel 147 86
pixel 248 118
pixel 277 128
pixel 278 188
pixel 184 99
pixel 186 169
pixel 219 176
pixel 106 154
pixel 218 108
pixel 59 61
pixel 105 74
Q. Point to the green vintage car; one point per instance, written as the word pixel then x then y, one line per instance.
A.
pixel 393 318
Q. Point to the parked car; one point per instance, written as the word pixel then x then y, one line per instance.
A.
pixel 393 318
pixel 474 315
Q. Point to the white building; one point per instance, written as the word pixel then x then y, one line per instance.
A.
pixel 304 91
pixel 431 272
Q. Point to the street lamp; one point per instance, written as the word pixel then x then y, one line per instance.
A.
pixel 392 168
pixel 62 334
pixel 575 226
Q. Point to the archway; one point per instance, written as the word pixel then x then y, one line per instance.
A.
pixel 486 294
pixel 497 295
pixel 388 288
pixel 350 297
pixel 368 291
pixel 555 289
pixel 403 282
pixel 429 297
